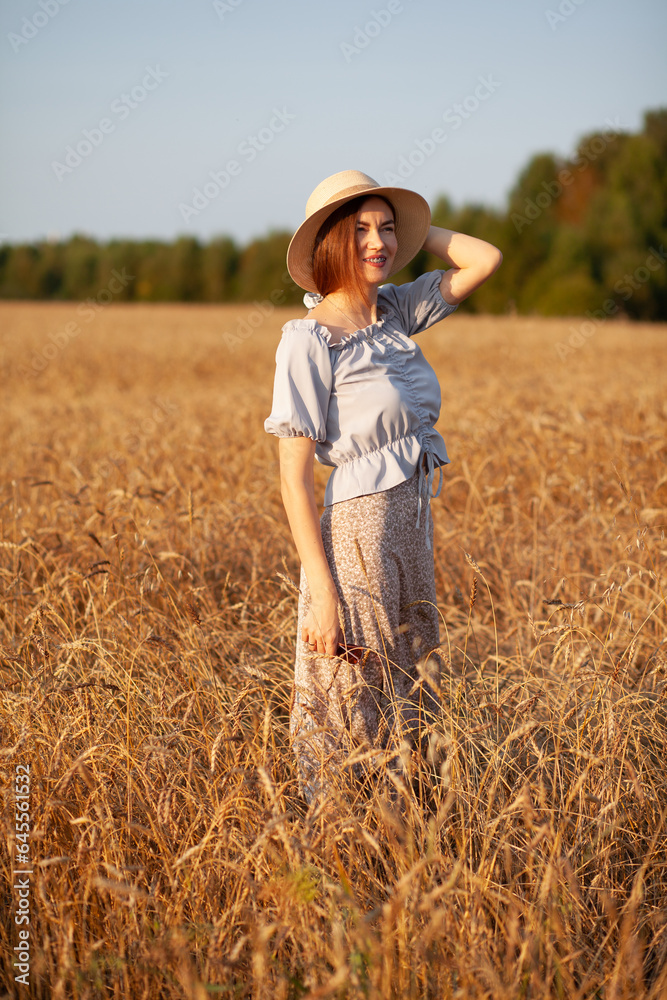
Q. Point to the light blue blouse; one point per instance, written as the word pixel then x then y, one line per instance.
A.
pixel 371 401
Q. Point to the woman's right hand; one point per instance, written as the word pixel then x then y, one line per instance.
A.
pixel 321 627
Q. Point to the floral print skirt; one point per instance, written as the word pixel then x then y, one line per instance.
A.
pixel 358 712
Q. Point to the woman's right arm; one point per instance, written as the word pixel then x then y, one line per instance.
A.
pixel 321 625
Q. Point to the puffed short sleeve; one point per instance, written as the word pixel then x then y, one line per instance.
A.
pixel 417 304
pixel 302 384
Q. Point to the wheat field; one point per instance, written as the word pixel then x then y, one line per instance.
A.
pixel 146 634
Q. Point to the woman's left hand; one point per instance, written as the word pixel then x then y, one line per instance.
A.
pixel 471 262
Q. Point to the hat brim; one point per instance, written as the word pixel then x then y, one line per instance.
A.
pixel 412 218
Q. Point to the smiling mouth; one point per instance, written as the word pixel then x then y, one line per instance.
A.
pixel 375 260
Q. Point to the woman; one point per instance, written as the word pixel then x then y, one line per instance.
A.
pixel 353 390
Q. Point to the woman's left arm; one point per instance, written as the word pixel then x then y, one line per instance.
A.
pixel 471 262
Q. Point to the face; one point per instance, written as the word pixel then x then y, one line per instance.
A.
pixel 376 240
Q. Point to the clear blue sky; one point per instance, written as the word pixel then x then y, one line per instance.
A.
pixel 293 91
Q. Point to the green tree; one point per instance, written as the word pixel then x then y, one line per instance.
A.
pixel 262 270
pixel 81 268
pixel 19 272
pixel 219 269
pixel 576 233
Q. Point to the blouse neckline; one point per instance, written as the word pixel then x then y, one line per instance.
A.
pixel 350 338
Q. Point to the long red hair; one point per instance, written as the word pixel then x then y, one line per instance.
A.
pixel 336 263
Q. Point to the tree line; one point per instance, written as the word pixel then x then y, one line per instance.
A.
pixel 580 235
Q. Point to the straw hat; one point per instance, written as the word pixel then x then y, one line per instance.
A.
pixel 413 219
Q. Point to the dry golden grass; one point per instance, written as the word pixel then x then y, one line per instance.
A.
pixel 146 641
